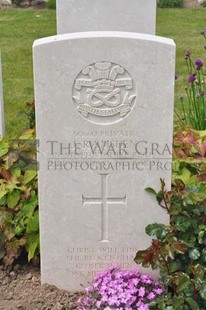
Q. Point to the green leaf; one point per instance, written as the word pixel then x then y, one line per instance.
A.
pixel 203 291
pixel 3 201
pixel 157 230
pixel 13 199
pixel 3 192
pixel 16 172
pixel 178 301
pixel 204 255
pixel 29 206
pixel 29 175
pixel 4 147
pixel 194 254
pixel 174 266
pixel 32 246
pixel 183 282
pixel 184 175
pixel 192 303
pixel 150 190
pixel 33 224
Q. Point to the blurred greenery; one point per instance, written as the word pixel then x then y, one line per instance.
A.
pixel 20 27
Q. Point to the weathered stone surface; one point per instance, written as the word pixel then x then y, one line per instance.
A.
pixel 106 15
pixel 104 108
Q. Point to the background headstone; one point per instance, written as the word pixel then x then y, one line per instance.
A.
pixel 104 113
pixel 5 2
pixel 2 126
pixel 106 15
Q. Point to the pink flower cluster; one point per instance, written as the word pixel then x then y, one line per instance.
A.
pixel 120 289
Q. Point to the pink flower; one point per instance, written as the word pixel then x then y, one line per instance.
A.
pixel 120 289
pixel 141 291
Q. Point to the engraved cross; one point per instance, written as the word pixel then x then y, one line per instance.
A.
pixel 104 201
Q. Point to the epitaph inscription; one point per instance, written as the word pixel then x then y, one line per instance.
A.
pixel 104 93
pixel 105 202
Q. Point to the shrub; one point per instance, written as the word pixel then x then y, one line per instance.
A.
pixel 29 112
pixel 117 289
pixel 179 249
pixel 19 221
pixel 17 2
pixel 203 4
pixel 51 4
pixel 171 3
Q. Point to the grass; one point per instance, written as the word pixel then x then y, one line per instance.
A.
pixel 19 28
pixel 183 26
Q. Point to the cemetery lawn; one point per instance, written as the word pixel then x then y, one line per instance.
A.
pixel 18 30
pixel 20 27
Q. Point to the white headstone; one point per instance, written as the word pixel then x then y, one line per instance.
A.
pixel 106 15
pixel 5 2
pixel 2 126
pixel 104 104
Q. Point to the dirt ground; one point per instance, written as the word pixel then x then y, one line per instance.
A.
pixel 20 289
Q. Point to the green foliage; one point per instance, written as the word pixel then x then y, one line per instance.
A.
pixel 30 114
pixel 171 3
pixel 51 4
pixel 17 2
pixel 19 223
pixel 194 104
pixel 203 4
pixel 179 248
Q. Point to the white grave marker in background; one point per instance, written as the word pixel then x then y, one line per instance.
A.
pixel 104 112
pixel 106 15
pixel 2 126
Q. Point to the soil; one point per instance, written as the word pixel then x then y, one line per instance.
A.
pixel 20 289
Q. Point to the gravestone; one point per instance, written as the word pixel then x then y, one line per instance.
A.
pixel 5 2
pixel 106 15
pixel 2 127
pixel 104 113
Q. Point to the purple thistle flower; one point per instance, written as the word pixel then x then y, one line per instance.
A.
pixel 191 78
pixel 199 63
pixel 181 98
pixel 187 54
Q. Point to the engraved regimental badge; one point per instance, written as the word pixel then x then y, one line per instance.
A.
pixel 104 93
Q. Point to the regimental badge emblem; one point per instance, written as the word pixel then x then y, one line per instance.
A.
pixel 104 93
